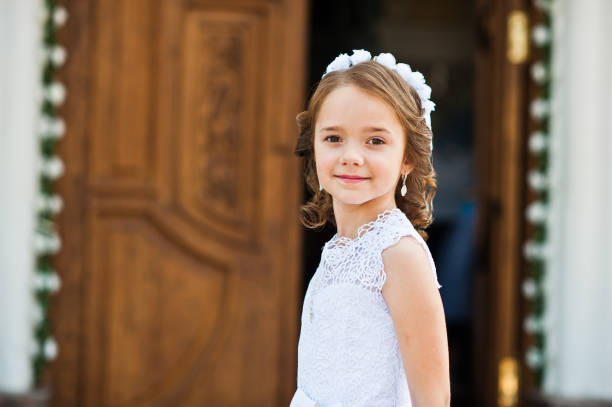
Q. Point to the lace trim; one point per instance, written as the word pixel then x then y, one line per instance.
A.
pixel 397 236
pixel 359 260
pixel 363 229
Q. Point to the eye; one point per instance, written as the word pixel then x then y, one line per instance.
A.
pixel 377 139
pixel 326 138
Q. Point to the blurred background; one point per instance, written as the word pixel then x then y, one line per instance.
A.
pixel 150 252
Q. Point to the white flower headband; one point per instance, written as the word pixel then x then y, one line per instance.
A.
pixel 414 79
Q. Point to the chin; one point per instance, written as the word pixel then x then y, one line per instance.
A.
pixel 357 197
pixel 351 198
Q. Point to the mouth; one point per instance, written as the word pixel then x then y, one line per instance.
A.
pixel 351 179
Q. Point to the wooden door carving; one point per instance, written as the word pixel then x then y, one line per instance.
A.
pixel 181 262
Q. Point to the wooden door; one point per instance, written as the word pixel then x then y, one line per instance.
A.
pixel 500 138
pixel 181 257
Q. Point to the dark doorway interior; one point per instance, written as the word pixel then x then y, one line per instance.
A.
pixel 436 38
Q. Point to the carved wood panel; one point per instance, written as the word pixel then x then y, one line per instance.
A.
pixel 181 263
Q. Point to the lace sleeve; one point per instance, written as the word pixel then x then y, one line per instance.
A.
pixel 401 231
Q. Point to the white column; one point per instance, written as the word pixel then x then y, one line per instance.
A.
pixel 20 81
pixel 579 282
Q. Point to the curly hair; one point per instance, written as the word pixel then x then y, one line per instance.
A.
pixel 387 85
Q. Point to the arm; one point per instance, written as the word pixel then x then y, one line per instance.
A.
pixel 416 309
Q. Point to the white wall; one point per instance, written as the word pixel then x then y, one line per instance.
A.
pixel 579 284
pixel 20 71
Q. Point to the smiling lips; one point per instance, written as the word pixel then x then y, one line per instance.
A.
pixel 351 179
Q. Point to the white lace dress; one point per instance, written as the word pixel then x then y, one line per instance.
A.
pixel 348 353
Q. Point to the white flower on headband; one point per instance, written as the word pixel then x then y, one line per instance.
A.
pixel 386 59
pixel 360 55
pixel 424 92
pixel 342 61
pixel 404 71
pixel 415 79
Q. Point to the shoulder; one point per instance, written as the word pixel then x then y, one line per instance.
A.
pixel 407 267
pixel 416 308
pixel 410 289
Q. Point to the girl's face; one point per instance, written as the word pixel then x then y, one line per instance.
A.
pixel 358 135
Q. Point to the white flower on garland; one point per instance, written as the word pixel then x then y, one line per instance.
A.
pixel 533 250
pixel 45 125
pixel 537 180
pixel 537 142
pixel 538 72
pixel 47 281
pixel 55 93
pixel 539 108
pixel 50 348
pixel 52 167
pixel 51 127
pixel 536 212
pixel 533 357
pixel 51 203
pixel 540 34
pixel 40 281
pixel 58 127
pixel 47 243
pixel 60 15
pixel 57 55
pixel 529 288
pixel 532 324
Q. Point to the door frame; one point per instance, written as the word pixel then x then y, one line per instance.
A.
pixel 500 119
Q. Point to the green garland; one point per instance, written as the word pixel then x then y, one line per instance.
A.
pixel 536 248
pixel 47 241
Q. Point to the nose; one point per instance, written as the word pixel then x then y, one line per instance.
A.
pixel 351 155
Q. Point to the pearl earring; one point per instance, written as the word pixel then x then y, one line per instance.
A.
pixel 404 189
pixel 320 187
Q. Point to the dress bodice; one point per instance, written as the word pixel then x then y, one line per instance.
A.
pixel 348 353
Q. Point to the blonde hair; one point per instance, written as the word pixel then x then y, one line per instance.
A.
pixel 387 85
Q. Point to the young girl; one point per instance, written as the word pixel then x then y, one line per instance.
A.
pixel 373 330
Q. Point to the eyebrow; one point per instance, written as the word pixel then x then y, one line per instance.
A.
pixel 368 128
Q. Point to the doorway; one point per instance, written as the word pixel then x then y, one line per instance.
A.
pixel 438 39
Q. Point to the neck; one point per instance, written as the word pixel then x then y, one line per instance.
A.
pixel 349 217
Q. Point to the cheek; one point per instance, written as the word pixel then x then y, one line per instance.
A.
pixel 385 169
pixel 324 161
